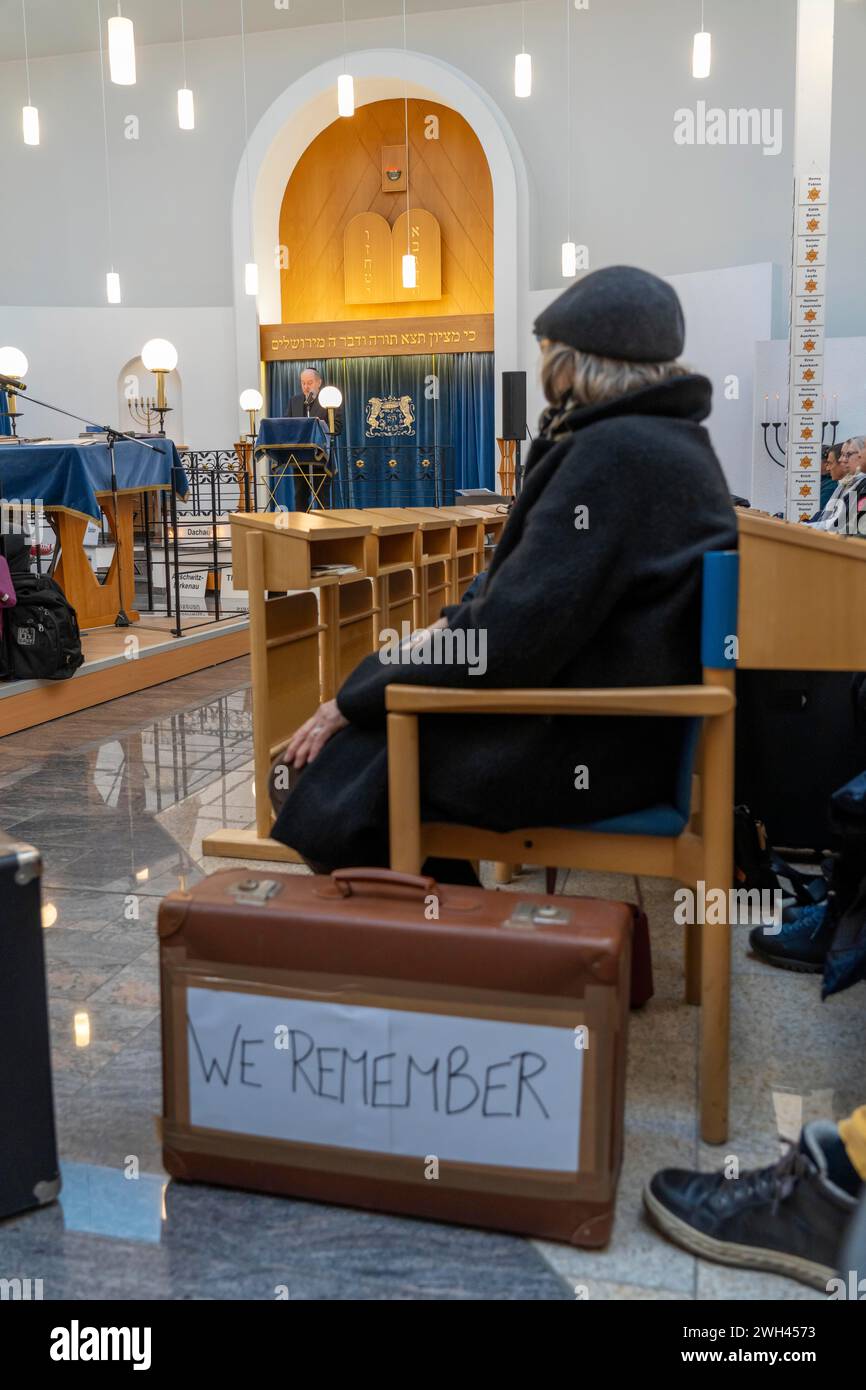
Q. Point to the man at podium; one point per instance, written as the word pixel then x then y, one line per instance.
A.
pixel 306 406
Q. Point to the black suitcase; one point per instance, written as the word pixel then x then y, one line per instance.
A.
pixel 29 1173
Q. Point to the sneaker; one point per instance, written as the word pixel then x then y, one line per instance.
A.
pixel 787 1219
pixel 801 944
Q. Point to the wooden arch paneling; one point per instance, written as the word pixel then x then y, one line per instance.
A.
pixel 340 175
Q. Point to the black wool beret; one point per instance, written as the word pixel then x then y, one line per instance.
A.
pixel 620 312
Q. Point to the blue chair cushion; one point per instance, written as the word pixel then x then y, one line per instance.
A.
pixel 655 820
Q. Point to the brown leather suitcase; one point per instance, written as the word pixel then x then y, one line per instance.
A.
pixel 375 1040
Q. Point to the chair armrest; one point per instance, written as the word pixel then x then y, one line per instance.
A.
pixel 669 700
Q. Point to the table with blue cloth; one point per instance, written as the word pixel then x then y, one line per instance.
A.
pixel 72 483
pixel 302 474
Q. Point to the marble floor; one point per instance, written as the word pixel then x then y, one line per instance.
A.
pixel 118 799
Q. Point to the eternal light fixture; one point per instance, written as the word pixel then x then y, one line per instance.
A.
pixel 185 102
pixel 29 113
pixel 13 363
pixel 523 63
pixel 330 398
pixel 409 275
pixel 702 50
pixel 251 400
pixel 410 272
pixel 345 82
pixel 121 50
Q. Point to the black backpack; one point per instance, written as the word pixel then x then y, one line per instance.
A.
pixel 41 639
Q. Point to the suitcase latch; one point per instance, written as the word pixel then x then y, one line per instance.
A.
pixel 528 915
pixel 255 890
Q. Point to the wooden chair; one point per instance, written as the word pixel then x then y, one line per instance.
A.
pixel 690 840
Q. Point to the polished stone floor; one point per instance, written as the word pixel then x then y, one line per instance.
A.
pixel 118 800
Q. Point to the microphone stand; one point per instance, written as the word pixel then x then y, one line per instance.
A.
pixel 111 434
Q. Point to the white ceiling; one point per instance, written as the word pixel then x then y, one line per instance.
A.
pixel 70 26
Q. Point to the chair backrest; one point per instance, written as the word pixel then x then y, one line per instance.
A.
pixel 719 609
pixel 721 570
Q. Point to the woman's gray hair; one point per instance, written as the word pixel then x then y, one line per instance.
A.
pixel 571 377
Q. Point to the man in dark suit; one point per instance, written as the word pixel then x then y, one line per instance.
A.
pixel 306 404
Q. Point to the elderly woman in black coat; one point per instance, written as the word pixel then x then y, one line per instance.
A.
pixel 595 582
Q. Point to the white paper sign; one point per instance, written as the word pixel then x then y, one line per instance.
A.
pixel 385 1080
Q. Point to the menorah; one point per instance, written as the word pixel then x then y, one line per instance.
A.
pixel 144 409
pixel 780 457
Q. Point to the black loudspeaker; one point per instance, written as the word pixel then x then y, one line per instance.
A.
pixel 514 405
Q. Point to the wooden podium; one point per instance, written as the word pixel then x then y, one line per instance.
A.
pixel 300 647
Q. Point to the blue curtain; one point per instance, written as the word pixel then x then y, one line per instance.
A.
pixel 5 427
pixel 401 452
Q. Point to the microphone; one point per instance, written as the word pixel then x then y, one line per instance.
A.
pixel 11 383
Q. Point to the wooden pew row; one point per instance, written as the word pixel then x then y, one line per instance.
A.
pixel 338 578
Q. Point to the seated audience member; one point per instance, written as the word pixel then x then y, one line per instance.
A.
pixel 595 582
pixel 841 511
pixel 832 472
pixel 789 1218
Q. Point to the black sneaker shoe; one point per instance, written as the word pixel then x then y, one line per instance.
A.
pixel 802 942
pixel 786 1219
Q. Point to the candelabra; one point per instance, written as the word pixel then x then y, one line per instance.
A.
pixel 146 409
pixel 781 448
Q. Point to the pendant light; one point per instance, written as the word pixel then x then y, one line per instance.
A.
pixel 185 102
pixel 345 82
pixel 121 50
pixel 702 50
pixel 523 62
pixel 251 269
pixel 29 113
pixel 569 249
pixel 112 278
pixel 409 277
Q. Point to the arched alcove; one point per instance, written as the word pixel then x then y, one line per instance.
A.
pixel 341 177
pixel 300 113
pixel 134 379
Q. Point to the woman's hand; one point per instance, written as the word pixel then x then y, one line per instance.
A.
pixel 308 741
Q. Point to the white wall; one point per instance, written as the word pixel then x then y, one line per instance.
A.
pixel 725 312
pixel 76 354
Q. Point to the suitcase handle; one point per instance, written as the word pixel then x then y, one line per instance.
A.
pixel 417 885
